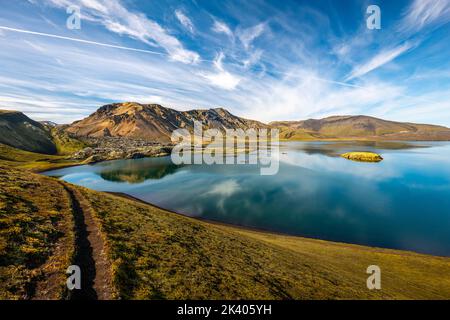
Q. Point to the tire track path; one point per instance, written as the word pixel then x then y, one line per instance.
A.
pixel 90 253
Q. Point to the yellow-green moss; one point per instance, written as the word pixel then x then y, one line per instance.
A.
pixel 362 156
pixel 65 145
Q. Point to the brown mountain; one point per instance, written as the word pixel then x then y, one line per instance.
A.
pixel 153 121
pixel 19 131
pixel 156 123
pixel 359 127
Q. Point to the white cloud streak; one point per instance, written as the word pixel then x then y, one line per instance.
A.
pixel 85 77
pixel 247 36
pixel 378 61
pixel 222 78
pixel 422 13
pixel 185 21
pixel 118 19
pixel 253 58
pixel 221 27
pixel 48 35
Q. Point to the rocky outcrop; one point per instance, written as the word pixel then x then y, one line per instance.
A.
pixel 113 148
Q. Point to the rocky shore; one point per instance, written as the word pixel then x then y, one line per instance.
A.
pixel 113 148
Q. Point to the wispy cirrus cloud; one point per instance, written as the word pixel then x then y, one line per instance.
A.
pixel 422 13
pixel 185 21
pixel 221 78
pixel 115 17
pixel 253 58
pixel 281 68
pixel 222 27
pixel 378 61
pixel 416 17
pixel 248 35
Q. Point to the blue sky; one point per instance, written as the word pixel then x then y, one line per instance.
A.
pixel 265 60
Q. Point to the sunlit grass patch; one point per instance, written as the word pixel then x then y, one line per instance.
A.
pixel 362 156
pixel 35 217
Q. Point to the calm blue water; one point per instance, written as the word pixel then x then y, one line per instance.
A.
pixel 402 202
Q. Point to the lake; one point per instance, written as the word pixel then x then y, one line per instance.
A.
pixel 402 202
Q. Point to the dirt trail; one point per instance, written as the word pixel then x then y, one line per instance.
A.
pixel 90 254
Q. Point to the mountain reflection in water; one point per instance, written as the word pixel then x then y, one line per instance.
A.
pixel 402 202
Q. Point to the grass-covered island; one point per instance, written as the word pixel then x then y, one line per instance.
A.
pixel 362 156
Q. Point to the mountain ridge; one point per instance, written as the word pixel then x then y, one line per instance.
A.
pixel 19 131
pixel 153 121
pixel 359 127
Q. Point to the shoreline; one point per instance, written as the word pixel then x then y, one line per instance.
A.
pixel 268 231
pixel 243 252
pixel 238 226
pixel 82 163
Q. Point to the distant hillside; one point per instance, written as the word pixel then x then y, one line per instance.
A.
pixel 359 127
pixel 156 123
pixel 153 122
pixel 19 131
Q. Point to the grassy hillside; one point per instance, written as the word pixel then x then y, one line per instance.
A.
pixel 36 235
pixel 158 254
pixel 19 131
pixel 35 162
pixel 65 145
pixel 155 254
